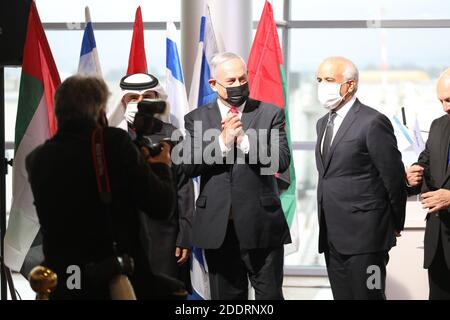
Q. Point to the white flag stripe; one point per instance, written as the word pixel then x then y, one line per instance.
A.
pixel 89 63
pixel 176 90
pixel 23 223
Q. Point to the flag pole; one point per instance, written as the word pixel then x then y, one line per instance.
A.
pixel 2 182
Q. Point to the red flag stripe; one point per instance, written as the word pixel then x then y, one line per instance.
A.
pixel 38 62
pixel 137 62
pixel 265 60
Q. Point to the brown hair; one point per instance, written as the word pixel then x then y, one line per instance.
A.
pixel 80 97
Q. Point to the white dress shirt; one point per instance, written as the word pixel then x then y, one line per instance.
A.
pixel 243 144
pixel 340 115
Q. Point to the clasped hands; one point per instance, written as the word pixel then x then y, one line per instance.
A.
pixel 232 130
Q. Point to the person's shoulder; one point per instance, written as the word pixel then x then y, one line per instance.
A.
pixel 197 112
pixel 264 106
pixel 38 154
pixel 113 131
pixel 441 120
pixel 366 110
pixel 116 135
pixel 370 117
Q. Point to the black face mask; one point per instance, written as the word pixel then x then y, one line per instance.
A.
pixel 237 95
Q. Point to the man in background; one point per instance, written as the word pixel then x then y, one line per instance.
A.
pixel 430 175
pixel 167 242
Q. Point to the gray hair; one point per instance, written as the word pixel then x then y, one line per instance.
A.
pixel 221 58
pixel 351 72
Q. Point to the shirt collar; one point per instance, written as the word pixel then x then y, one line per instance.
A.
pixel 342 112
pixel 224 108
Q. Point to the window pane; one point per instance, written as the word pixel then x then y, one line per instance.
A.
pixel 108 11
pixel 394 73
pixel 369 10
pixel 113 50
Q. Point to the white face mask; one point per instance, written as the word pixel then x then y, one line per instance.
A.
pixel 130 112
pixel 328 94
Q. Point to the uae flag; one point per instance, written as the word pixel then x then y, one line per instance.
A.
pixel 35 123
pixel 267 84
pixel 137 62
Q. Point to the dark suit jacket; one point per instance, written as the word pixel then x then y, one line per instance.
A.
pixel 252 198
pixel 361 191
pixel 76 226
pixel 162 236
pixel 436 176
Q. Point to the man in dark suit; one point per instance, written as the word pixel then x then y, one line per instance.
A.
pixel 168 241
pixel 238 217
pixel 361 193
pixel 431 176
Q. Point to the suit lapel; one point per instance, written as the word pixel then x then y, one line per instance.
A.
pixel 345 125
pixel 251 109
pixel 214 116
pixel 445 142
pixel 322 126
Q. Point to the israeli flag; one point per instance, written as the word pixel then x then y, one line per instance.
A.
pixel 89 64
pixel 200 94
pixel 176 91
pixel 404 139
pixel 419 143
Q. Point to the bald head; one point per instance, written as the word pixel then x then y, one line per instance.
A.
pixel 339 68
pixel 443 90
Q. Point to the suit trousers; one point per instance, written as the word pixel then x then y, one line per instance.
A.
pixel 439 275
pixel 357 277
pixel 231 267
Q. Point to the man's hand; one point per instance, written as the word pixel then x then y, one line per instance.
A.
pixel 231 129
pixel 414 175
pixel 436 200
pixel 182 254
pixel 398 233
pixel 163 157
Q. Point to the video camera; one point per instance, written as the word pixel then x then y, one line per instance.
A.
pixel 144 125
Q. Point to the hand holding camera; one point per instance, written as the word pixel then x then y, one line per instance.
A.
pixel 163 156
pixel 144 125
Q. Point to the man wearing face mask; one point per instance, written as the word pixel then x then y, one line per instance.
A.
pixel 167 242
pixel 361 191
pixel 238 220
pixel 135 88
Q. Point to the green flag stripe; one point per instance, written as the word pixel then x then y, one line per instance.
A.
pixel 30 94
pixel 288 198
